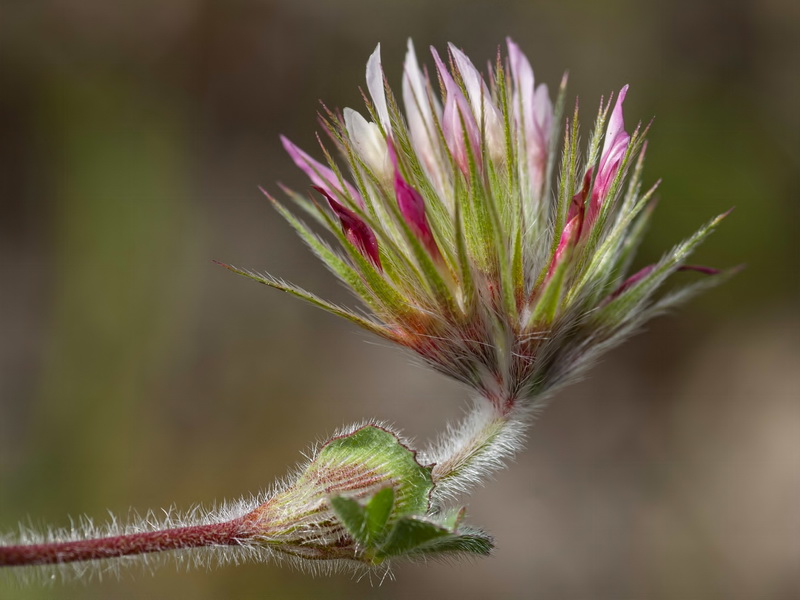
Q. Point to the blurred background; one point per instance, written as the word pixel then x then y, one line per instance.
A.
pixel 136 373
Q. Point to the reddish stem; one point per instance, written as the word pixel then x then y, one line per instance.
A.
pixel 228 533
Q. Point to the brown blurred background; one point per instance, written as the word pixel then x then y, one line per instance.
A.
pixel 135 373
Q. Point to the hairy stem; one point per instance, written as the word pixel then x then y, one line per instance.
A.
pixel 464 455
pixel 228 533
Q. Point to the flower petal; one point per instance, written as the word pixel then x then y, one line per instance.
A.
pixel 376 90
pixel 368 142
pixel 533 113
pixel 420 106
pixel 319 174
pixel 482 106
pixel 456 112
pixel 614 147
pixel 616 124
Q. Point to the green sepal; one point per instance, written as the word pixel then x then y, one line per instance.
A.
pixel 382 290
pixel 617 308
pixel 552 151
pixel 334 309
pixel 550 298
pixel 330 258
pixel 608 254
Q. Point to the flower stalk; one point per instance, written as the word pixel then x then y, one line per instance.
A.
pixel 216 534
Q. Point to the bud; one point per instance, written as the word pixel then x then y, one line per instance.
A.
pixel 412 207
pixel 358 232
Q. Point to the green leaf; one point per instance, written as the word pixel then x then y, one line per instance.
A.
pixel 414 536
pixel 378 511
pixel 409 534
pixel 353 516
pixel 366 523
pixel 467 541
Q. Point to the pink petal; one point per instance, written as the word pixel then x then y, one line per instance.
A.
pixel 616 124
pixel 639 275
pixel 614 147
pixel 700 269
pixel 456 110
pixel 574 229
pixel 533 112
pixel 481 100
pixel 568 238
pixel 521 71
pixel 319 174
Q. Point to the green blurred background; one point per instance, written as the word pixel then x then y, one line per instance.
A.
pixel 135 373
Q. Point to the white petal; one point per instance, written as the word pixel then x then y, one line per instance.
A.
pixel 476 88
pixel 522 72
pixel 543 115
pixel 415 92
pixel 368 142
pixel 420 105
pixel 415 99
pixel 481 102
pixel 375 87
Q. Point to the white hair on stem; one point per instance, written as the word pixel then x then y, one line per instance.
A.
pixel 467 453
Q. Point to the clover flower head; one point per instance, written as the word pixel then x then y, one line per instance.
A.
pixel 476 232
pixel 478 235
